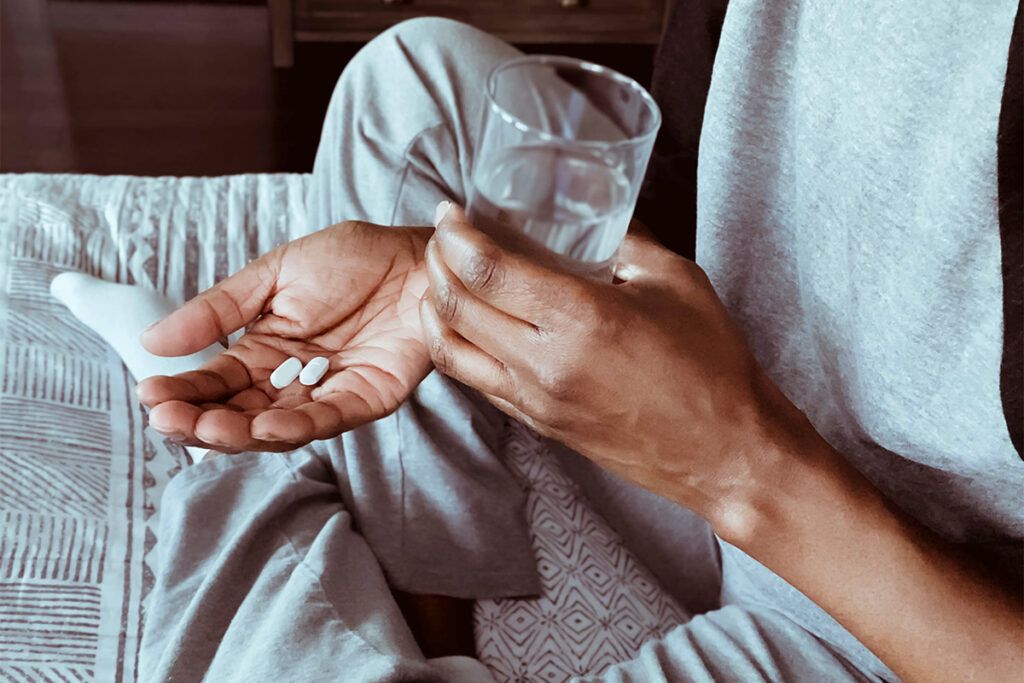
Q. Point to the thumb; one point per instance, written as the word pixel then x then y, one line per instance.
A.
pixel 217 312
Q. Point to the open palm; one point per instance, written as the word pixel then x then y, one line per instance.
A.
pixel 349 293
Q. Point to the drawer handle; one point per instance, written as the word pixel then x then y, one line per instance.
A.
pixel 397 2
pixel 572 4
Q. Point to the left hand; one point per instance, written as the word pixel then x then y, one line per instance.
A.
pixel 348 293
pixel 649 377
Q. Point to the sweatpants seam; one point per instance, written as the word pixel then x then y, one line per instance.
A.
pixel 300 562
pixel 405 168
pixel 402 492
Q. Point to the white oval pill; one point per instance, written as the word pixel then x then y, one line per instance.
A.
pixel 314 370
pixel 286 373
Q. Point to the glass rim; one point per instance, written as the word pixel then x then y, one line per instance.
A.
pixel 582 65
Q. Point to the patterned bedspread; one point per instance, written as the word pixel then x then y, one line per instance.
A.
pixel 81 475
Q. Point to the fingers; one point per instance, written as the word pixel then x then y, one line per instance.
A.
pixel 348 401
pixel 218 428
pixel 224 376
pixel 175 419
pixel 324 418
pixel 214 407
pixel 479 323
pixel 359 394
pixel 457 358
pixel 250 399
pixel 225 429
pixel 217 312
pixel 505 280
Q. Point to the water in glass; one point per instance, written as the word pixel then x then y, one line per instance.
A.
pixel 567 207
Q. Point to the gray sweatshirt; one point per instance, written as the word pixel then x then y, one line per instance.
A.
pixel 848 216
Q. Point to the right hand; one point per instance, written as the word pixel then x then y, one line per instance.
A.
pixel 349 292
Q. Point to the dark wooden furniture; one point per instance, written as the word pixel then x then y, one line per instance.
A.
pixel 517 21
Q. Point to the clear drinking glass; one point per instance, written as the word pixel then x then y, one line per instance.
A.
pixel 562 151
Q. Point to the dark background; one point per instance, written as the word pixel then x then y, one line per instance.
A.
pixel 174 88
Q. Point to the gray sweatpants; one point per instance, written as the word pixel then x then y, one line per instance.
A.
pixel 261 572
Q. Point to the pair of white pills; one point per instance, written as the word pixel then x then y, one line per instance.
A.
pixel 309 375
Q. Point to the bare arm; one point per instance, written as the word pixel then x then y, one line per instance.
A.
pixel 651 379
pixel 925 610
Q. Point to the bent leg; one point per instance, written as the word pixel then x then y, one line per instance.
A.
pixel 261 577
pixel 428 493
pixel 400 131
pixel 399 136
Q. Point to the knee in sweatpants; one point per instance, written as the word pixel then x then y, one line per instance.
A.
pixel 434 29
pixel 433 33
pixel 418 40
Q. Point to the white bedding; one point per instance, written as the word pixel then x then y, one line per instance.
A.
pixel 81 476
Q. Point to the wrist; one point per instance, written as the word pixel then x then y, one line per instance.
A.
pixel 796 482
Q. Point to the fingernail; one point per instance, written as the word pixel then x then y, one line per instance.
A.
pixel 440 211
pixel 150 326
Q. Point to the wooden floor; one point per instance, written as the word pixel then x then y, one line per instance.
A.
pixel 171 89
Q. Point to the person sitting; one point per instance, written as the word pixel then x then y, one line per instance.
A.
pixel 820 388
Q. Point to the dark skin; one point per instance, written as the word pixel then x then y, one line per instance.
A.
pixel 350 292
pixel 649 377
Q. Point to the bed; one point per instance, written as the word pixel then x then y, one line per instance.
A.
pixel 81 475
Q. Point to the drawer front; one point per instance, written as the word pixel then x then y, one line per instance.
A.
pixel 514 20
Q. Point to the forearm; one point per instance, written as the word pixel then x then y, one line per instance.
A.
pixel 599 366
pixel 928 613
